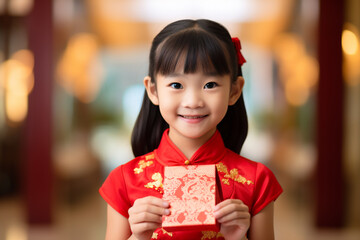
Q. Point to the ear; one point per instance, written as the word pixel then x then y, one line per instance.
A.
pixel 151 90
pixel 236 90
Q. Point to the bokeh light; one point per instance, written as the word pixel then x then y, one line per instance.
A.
pixel 18 82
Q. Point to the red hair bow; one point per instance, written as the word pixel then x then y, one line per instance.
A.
pixel 240 57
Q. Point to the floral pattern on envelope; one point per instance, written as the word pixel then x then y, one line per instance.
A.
pixel 191 192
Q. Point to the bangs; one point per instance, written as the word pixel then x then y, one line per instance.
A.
pixel 193 50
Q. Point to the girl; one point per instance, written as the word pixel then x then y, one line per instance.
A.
pixel 192 113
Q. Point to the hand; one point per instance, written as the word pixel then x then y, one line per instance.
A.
pixel 234 217
pixel 145 216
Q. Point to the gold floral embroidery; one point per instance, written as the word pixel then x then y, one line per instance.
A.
pixel 155 235
pixel 143 164
pixel 221 167
pixel 150 156
pixel 210 235
pixel 234 175
pixel 157 184
pixel 166 232
pixel 225 181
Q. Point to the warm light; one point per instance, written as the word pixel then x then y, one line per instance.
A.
pixel 18 75
pixel 306 71
pixel 350 45
pixel 288 48
pixel 20 7
pixel 16 233
pixel 165 11
pixel 2 76
pixel 16 104
pixel 18 82
pixel 24 56
pixel 298 71
pixel 79 69
pixel 2 91
pixel 350 42
pixel 296 92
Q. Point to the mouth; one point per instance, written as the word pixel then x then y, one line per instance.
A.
pixel 193 117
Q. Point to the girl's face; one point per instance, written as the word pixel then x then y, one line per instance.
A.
pixel 193 104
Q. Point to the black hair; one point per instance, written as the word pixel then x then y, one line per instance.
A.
pixel 207 43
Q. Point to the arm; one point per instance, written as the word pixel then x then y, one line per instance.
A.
pixel 117 225
pixel 262 224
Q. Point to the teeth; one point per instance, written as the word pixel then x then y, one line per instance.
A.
pixel 192 117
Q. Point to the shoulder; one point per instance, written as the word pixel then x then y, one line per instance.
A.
pixel 237 172
pixel 138 164
pixel 254 168
pixel 134 166
pixel 251 181
pixel 127 182
pixel 236 161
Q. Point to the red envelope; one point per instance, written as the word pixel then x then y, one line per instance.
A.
pixel 192 193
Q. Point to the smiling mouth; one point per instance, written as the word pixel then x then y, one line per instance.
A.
pixel 193 117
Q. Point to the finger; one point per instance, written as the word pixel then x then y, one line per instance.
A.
pixel 146 208
pixel 144 217
pixel 227 202
pixel 152 201
pixel 145 226
pixel 150 204
pixel 230 209
pixel 234 216
pixel 237 222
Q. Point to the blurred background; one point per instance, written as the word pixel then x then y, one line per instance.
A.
pixel 71 76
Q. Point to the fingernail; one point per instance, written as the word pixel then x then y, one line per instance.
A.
pixel 166 204
pixel 166 212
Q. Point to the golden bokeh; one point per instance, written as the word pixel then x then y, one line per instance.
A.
pixel 79 70
pixel 350 45
pixel 17 83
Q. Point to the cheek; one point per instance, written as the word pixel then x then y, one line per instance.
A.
pixel 222 111
pixel 220 106
pixel 167 105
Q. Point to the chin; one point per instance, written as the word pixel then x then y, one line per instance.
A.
pixel 194 135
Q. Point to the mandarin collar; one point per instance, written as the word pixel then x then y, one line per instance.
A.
pixel 168 154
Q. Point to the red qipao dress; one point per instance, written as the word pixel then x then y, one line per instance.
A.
pixel 243 179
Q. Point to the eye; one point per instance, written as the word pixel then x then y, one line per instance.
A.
pixel 210 85
pixel 176 85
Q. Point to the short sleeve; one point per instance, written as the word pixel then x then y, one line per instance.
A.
pixel 267 188
pixel 114 191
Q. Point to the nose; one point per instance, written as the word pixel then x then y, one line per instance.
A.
pixel 193 99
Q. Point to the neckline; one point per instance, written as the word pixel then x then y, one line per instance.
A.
pixel 211 152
